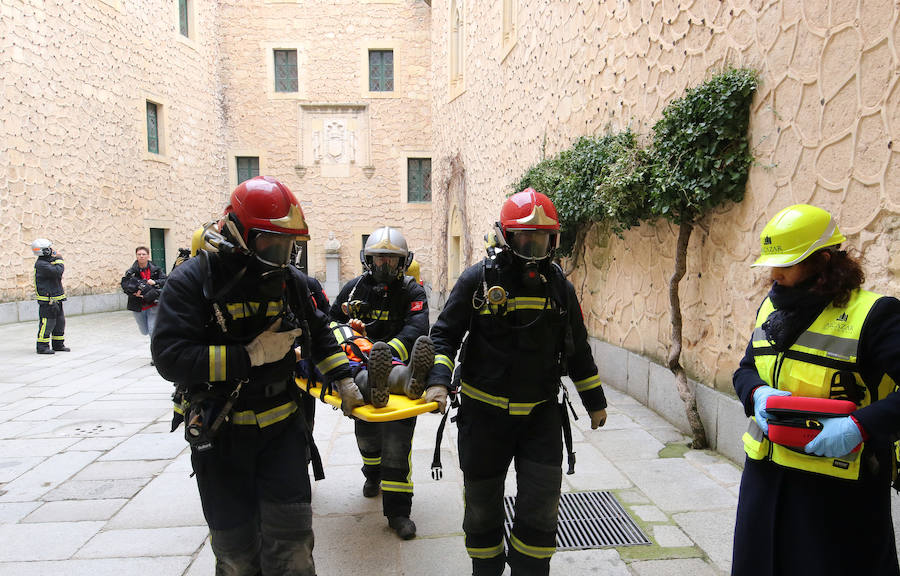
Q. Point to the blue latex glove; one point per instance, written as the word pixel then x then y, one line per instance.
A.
pixel 838 437
pixel 759 405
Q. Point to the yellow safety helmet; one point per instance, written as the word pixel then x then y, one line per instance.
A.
pixel 413 270
pixel 795 233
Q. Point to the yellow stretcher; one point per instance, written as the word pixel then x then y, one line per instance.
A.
pixel 399 407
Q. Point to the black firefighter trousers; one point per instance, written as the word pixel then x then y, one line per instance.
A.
pixel 385 448
pixel 489 439
pixel 51 325
pixel 255 492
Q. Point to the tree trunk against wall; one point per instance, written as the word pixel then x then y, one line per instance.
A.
pixel 453 190
pixel 572 260
pixel 674 360
pixel 458 174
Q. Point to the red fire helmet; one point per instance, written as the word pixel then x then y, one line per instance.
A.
pixel 263 203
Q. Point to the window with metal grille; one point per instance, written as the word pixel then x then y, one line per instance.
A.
pixel 183 17
pixel 247 168
pixel 418 180
pixel 285 70
pixel 381 70
pixel 152 128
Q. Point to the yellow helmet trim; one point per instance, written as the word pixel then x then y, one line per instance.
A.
pixel 293 220
pixel 537 218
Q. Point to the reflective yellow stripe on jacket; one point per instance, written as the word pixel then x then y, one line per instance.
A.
pixel 332 362
pixel 513 304
pixel 399 349
pixel 249 309
pixel 40 298
pixel 514 408
pixel 217 363
pixel 811 368
pixel 445 360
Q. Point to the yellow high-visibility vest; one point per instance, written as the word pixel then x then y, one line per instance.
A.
pixel 811 368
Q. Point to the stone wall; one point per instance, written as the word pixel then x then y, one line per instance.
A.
pixel 823 127
pixel 352 197
pixel 74 165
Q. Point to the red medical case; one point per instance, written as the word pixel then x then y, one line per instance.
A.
pixel 795 420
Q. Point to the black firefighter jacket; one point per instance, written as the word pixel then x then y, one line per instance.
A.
pixel 396 313
pixel 48 272
pixel 190 346
pixel 515 351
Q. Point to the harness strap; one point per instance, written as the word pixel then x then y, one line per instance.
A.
pixel 314 457
pixel 226 409
pixel 567 428
pixel 437 471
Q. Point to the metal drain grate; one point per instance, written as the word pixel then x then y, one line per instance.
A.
pixel 588 520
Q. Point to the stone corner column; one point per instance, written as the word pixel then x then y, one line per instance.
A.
pixel 332 265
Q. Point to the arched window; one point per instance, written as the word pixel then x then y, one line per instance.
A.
pixel 508 31
pixel 457 31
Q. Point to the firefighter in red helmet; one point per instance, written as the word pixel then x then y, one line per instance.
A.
pixel 229 320
pixel 525 330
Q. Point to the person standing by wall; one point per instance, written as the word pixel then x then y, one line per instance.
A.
pixel 823 508
pixel 143 283
pixel 525 329
pixel 48 272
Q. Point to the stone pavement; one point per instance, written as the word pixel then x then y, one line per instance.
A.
pixel 93 483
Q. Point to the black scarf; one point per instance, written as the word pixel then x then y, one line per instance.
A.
pixel 796 307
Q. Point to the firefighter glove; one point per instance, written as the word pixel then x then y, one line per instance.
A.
pixel 271 345
pixel 437 394
pixel 351 397
pixel 759 405
pixel 598 418
pixel 839 436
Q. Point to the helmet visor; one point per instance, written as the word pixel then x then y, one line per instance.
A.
pixel 385 267
pixel 530 244
pixel 274 249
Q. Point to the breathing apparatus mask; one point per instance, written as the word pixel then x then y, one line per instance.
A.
pixel 532 250
pixel 384 269
pixel 273 249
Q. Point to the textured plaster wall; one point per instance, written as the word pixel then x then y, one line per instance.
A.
pixel 331 39
pixel 73 162
pixel 824 127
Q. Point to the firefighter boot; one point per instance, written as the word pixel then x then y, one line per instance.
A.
pixel 410 380
pixel 372 486
pixel 379 369
pixel 403 526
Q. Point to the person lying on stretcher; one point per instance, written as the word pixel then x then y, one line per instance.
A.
pixel 376 371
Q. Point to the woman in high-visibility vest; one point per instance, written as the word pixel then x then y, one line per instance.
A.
pixel 823 508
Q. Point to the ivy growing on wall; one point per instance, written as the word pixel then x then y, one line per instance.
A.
pixel 599 179
pixel 700 154
pixel 699 159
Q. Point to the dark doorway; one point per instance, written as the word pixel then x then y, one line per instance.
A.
pixel 158 247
